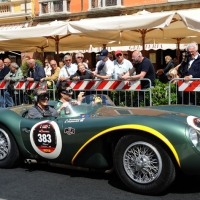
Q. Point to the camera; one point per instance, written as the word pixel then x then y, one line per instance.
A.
pixel 187 55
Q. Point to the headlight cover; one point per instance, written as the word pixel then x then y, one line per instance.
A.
pixel 194 136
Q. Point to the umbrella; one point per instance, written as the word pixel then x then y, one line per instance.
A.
pixel 141 28
pixel 92 28
pixel 163 27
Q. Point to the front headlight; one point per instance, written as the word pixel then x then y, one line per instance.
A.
pixel 194 136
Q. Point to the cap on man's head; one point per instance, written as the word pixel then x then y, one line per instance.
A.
pixel 118 52
pixel 103 54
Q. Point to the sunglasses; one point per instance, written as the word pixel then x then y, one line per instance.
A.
pixel 43 96
pixel 80 57
pixel 67 60
pixel 67 91
pixel 53 65
pixel 118 55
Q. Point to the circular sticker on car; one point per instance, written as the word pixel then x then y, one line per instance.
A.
pixel 46 139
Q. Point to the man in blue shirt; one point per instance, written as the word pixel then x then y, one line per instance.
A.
pixel 144 69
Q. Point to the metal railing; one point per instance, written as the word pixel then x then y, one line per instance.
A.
pixel 186 92
pixel 122 93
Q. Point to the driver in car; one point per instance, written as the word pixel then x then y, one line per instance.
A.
pixel 41 108
pixel 65 93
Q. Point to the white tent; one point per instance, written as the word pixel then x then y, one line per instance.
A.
pixel 139 29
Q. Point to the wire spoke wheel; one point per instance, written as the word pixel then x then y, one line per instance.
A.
pixel 9 152
pixel 142 162
pixel 4 144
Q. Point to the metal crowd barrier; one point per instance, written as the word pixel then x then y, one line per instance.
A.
pixel 123 93
pixel 187 93
pixel 20 91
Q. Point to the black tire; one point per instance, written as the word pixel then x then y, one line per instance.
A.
pixel 9 152
pixel 149 172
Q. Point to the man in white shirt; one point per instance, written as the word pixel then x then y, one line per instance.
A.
pixel 68 69
pixel 104 67
pixel 122 65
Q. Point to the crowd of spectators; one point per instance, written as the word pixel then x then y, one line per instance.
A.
pixel 108 66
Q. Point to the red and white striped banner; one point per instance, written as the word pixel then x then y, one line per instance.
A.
pixel 31 85
pixel 24 85
pixel 189 86
pixel 3 84
pixel 93 85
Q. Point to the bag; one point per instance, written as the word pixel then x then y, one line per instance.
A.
pixel 10 88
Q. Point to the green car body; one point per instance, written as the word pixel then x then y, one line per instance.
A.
pixel 133 141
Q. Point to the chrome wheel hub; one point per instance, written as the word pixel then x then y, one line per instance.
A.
pixel 142 162
pixel 4 144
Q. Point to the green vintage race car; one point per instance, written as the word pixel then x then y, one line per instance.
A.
pixel 145 146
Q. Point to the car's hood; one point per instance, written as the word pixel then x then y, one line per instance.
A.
pixel 187 109
pixel 144 111
pixel 107 111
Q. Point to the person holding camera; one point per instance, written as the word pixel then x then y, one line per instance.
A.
pixel 41 108
pixel 15 74
pixel 190 68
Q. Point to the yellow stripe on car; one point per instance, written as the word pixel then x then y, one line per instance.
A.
pixel 136 127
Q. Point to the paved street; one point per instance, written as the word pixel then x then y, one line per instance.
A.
pixel 44 182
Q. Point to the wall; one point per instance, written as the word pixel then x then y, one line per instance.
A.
pixel 142 2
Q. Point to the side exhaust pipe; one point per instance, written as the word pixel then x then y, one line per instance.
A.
pixel 30 161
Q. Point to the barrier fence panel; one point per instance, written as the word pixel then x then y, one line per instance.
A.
pixel 123 93
pixel 187 92
pixel 18 92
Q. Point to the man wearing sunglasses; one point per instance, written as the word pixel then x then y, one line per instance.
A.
pixel 68 69
pixel 122 65
pixel 65 93
pixel 79 59
pixel 104 67
pixel 54 72
pixel 41 108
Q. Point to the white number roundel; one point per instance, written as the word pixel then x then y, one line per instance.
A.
pixel 46 139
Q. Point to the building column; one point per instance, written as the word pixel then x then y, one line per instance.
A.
pixel 64 6
pixel 119 2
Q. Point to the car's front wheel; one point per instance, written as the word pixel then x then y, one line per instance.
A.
pixel 143 165
pixel 9 153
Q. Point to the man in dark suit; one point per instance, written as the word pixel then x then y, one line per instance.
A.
pixel 190 68
pixel 35 72
pixel 3 72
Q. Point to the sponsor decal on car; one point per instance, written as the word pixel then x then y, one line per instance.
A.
pixel 69 130
pixel 74 120
pixel 46 139
pixel 84 115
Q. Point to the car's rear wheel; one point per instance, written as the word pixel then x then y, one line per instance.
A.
pixel 143 165
pixel 9 153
